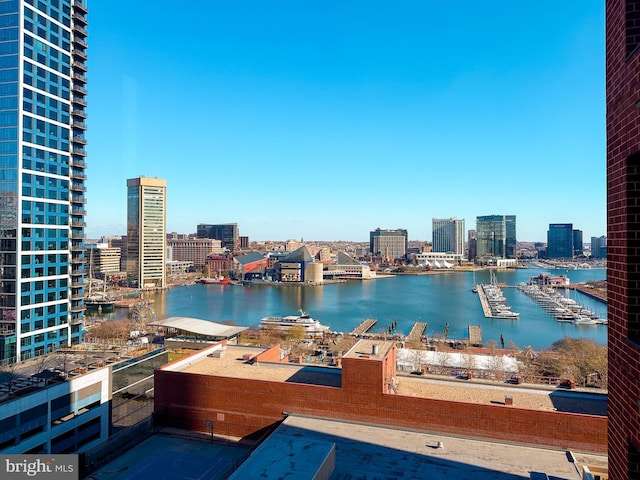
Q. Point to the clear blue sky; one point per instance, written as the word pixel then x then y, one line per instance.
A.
pixel 327 119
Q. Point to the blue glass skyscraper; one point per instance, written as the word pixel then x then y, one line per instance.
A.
pixel 42 175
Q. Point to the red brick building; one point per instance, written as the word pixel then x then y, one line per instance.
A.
pixel 202 393
pixel 623 235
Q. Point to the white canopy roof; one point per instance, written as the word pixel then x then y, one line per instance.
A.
pixel 200 327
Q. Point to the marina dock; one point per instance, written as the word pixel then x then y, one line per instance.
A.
pixel 494 305
pixel 418 329
pixel 483 301
pixel 364 326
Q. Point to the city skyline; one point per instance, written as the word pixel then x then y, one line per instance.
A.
pixel 296 123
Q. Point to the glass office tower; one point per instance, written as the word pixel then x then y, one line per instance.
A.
pixel 496 236
pixel 42 175
pixel 560 240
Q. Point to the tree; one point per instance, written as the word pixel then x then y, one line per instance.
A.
pixel 296 333
pixel 581 358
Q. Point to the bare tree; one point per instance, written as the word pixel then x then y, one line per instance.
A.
pixel 468 361
pixel 442 358
pixel 496 365
pixel 10 373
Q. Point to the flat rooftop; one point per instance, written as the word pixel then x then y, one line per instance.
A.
pixel 372 452
pixel 234 363
pixel 361 451
pixel 371 349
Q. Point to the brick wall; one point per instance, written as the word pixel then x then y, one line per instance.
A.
pixel 623 232
pixel 242 407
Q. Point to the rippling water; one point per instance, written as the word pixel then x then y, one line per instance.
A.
pixel 436 299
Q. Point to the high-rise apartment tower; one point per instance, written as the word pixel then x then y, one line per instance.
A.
pixel 42 175
pixel 146 232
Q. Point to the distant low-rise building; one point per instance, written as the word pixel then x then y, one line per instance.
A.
pixel 348 267
pixel 253 264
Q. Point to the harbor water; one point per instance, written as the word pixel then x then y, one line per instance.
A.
pixel 437 299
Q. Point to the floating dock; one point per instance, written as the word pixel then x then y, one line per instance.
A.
pixel 364 326
pixel 415 335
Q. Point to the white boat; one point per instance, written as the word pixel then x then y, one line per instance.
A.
pixel 311 326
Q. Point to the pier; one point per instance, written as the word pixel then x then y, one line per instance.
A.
pixel 483 301
pixel 364 327
pixel 418 329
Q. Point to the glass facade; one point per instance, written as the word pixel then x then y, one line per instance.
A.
pixel 560 240
pixel 496 236
pixel 227 233
pixel 42 175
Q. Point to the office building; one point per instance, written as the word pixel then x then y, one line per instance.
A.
pixel 193 250
pixel 578 248
pixel 227 233
pixel 146 232
pixel 42 175
pixel 623 250
pixel 560 240
pixel 448 235
pixel 104 261
pixel 472 246
pixel 496 236
pixel 388 244
pixel 599 247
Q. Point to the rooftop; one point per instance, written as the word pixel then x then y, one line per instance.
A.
pixel 200 327
pixel 365 452
pixel 235 362
pixel 370 349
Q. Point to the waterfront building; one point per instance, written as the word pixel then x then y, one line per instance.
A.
pixel 599 247
pixel 560 240
pixel 348 267
pixel 448 235
pixel 105 260
pixel 146 232
pixel 42 175
pixel 292 267
pixel 496 236
pixel 217 263
pixel 438 259
pixel 623 250
pixel 227 233
pixel 252 265
pixel 388 244
pixel 193 250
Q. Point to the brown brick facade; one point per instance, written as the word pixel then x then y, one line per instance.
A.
pixel 623 234
pixel 241 407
